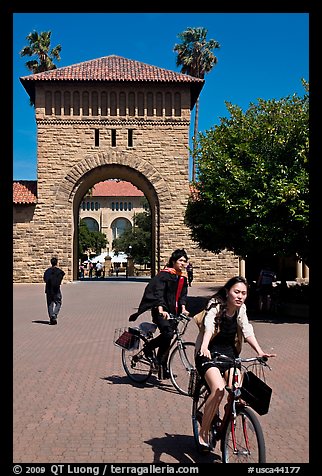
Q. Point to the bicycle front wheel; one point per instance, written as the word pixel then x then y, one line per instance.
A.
pixel 181 362
pixel 243 439
pixel 136 365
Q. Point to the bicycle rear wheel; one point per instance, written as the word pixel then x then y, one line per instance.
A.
pixel 136 365
pixel 181 362
pixel 243 440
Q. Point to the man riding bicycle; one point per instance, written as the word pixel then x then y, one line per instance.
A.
pixel 166 293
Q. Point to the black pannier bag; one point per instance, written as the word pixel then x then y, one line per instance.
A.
pixel 256 393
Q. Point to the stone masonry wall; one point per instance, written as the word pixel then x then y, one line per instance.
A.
pixel 69 162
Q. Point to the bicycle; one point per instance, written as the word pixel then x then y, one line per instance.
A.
pixel 239 431
pixel 180 357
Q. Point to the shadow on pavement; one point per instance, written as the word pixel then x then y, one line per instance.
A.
pixel 181 448
pixel 165 386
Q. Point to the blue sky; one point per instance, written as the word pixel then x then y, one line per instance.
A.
pixel 261 55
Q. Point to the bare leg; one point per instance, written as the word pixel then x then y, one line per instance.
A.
pixel 217 386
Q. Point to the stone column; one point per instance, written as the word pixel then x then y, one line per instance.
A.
pixel 130 266
pixel 242 267
pixel 299 274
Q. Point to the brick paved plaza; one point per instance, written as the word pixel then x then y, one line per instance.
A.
pixel 72 401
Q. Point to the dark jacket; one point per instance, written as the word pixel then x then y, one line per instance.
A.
pixel 161 291
pixel 47 274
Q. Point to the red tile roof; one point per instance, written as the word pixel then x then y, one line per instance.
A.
pixel 24 192
pixel 114 188
pixel 113 68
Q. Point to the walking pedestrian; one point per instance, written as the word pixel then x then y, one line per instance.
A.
pixel 189 273
pixel 53 277
pixel 265 288
pixel 166 293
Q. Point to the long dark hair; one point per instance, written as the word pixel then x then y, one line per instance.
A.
pixel 220 297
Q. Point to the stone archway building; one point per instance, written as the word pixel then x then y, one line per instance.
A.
pixel 110 118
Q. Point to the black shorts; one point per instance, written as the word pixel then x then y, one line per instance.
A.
pixel 203 364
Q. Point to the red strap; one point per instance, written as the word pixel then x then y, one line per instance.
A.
pixel 178 293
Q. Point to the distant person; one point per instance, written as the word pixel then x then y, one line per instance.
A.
pixel 99 268
pixel 90 272
pixel 165 293
pixel 81 271
pixel 265 287
pixel 189 273
pixel 53 277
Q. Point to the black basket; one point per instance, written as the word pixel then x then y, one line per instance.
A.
pixel 126 339
pixel 256 393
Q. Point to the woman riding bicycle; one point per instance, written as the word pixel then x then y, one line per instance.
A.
pixel 224 328
pixel 166 293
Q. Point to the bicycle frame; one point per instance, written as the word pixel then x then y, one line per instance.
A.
pixel 239 430
pixel 180 356
pixel 177 340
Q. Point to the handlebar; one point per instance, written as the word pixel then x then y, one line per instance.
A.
pixel 261 360
pixel 180 317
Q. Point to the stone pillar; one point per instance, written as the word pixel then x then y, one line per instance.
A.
pixel 107 265
pixel 242 267
pixel 299 274
pixel 130 266
pixel 306 272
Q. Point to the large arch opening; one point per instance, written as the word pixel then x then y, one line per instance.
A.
pixel 128 174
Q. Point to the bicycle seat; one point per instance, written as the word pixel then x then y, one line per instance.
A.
pixel 147 327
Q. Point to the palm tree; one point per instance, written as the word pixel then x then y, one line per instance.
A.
pixel 196 58
pixel 39 45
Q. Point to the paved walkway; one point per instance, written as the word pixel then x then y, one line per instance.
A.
pixel 73 403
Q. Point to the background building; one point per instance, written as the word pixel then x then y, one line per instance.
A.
pixel 110 208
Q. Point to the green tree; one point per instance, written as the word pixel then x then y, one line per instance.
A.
pixel 93 240
pixel 196 58
pixel 253 190
pixel 39 46
pixel 138 237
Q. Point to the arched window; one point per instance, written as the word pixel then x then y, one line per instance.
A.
pixel 131 104
pixel 85 104
pixel 149 104
pixel 177 104
pixel 48 104
pixel 113 104
pixel 140 104
pixel 119 226
pixel 104 104
pixel 76 104
pixel 159 105
pixel 168 104
pixel 91 224
pixel 67 105
pixel 57 100
pixel 94 103
pixel 122 110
